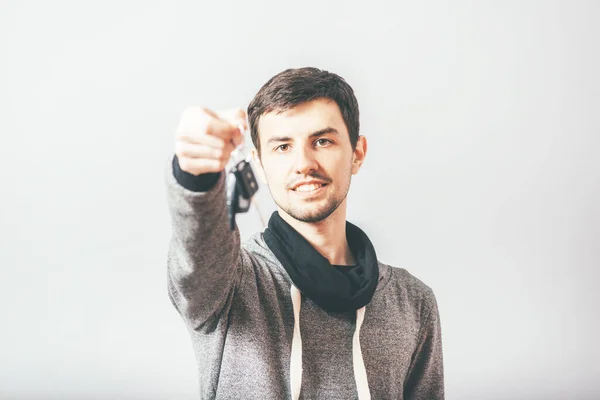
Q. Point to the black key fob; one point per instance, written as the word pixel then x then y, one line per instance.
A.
pixel 245 179
pixel 241 186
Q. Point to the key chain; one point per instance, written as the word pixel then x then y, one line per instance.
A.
pixel 241 185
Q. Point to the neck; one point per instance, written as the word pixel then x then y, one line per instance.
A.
pixel 328 237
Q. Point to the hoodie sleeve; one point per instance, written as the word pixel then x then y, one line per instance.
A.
pixel 195 183
pixel 203 262
pixel 425 379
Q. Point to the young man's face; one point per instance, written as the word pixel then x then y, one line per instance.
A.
pixel 309 142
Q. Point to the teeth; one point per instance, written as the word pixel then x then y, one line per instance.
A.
pixel 308 188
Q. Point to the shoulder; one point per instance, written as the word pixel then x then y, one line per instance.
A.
pixel 409 289
pixel 256 248
pixel 257 255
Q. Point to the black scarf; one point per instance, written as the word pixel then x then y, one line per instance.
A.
pixel 312 273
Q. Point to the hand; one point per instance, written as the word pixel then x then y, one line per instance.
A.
pixel 205 139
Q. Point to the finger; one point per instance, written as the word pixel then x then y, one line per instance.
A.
pixel 238 139
pixel 198 166
pixel 221 129
pixel 239 118
pixel 198 121
pixel 201 139
pixel 192 150
pixel 235 116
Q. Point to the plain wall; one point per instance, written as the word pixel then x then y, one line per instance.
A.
pixel 482 178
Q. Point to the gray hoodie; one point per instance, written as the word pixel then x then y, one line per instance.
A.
pixel 256 336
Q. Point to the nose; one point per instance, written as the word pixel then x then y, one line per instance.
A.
pixel 305 162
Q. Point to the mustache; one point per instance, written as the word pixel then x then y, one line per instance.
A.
pixel 312 176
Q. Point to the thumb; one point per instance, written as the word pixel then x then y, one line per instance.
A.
pixel 238 118
pixel 238 137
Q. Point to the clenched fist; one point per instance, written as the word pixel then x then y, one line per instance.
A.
pixel 205 139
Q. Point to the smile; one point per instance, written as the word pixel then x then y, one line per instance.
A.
pixel 309 189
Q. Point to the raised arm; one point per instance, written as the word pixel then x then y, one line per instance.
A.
pixel 204 254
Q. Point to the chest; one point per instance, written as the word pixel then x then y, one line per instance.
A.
pixel 387 340
pixel 259 337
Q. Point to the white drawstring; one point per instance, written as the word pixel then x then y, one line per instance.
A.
pixel 296 358
pixel 360 373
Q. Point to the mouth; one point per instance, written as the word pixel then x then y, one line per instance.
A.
pixel 310 189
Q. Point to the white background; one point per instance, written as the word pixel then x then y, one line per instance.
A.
pixel 482 178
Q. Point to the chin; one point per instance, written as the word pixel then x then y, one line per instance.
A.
pixel 309 217
pixel 311 212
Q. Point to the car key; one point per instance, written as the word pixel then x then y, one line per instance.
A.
pixel 241 186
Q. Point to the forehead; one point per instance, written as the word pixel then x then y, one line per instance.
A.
pixel 302 120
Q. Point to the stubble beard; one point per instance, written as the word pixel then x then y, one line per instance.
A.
pixel 315 214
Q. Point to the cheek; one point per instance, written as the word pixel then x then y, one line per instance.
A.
pixel 342 167
pixel 275 178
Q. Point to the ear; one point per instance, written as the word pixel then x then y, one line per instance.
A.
pixel 259 168
pixel 359 154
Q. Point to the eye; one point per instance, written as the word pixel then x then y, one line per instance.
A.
pixel 324 141
pixel 283 147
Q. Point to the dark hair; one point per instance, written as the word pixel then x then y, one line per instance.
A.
pixel 292 87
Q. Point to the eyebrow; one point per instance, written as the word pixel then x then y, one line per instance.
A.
pixel 328 130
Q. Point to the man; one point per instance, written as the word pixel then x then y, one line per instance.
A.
pixel 303 309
